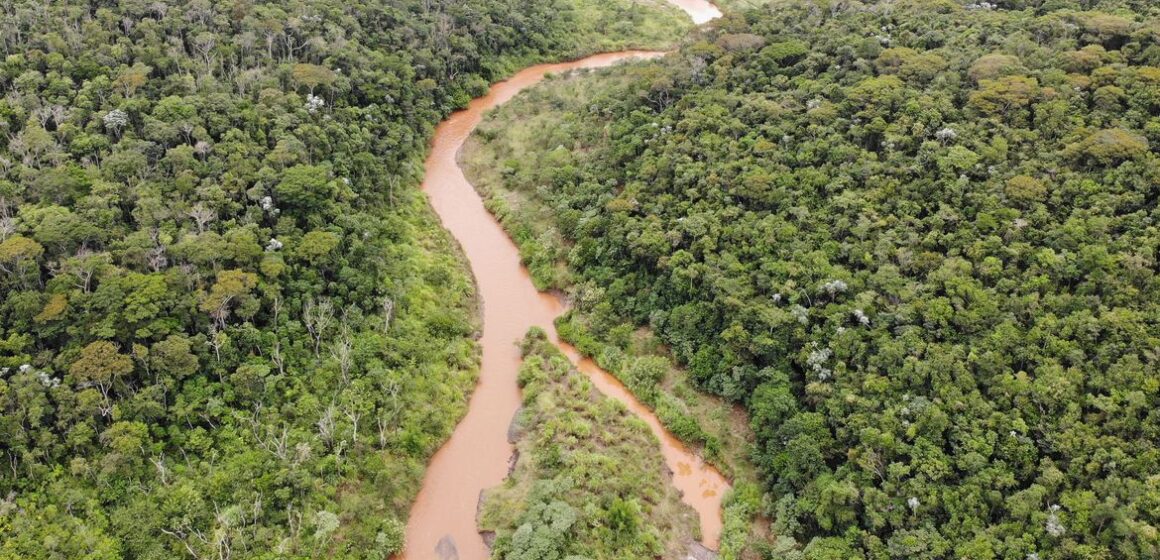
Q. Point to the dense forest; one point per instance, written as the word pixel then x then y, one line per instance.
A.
pixel 230 326
pixel 917 240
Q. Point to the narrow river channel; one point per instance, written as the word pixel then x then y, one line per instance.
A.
pixel 442 523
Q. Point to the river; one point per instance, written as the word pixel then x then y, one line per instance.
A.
pixel 477 454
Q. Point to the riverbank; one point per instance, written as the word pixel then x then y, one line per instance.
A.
pixel 476 455
pixel 443 518
pixel 540 131
pixel 582 457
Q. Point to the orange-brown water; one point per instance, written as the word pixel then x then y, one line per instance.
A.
pixel 477 454
pixel 700 11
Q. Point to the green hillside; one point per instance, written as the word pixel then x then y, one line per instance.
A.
pixel 916 240
pixel 230 326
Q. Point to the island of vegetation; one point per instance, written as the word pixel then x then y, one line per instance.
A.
pixel 581 484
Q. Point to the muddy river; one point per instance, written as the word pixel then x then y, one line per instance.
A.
pixel 477 454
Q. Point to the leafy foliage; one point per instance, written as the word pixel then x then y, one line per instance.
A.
pixel 921 252
pixel 229 325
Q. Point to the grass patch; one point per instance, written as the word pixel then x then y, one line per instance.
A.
pixel 506 155
pixel 608 25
